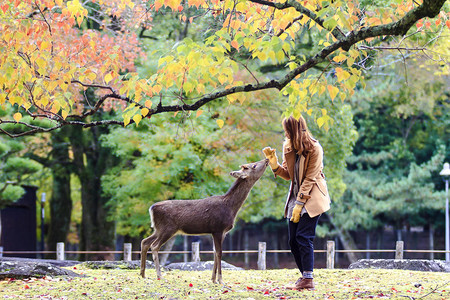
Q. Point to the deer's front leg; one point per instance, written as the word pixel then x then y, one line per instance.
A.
pixel 217 269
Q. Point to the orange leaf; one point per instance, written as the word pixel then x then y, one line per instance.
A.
pixel 333 91
pixel 235 44
pixel 199 112
pixel 17 116
pixel 447 23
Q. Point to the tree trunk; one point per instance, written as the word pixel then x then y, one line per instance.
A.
pixel 91 161
pixel 60 207
pixel 167 247
pixel 348 243
pixel 60 201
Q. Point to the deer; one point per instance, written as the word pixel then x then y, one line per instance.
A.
pixel 213 215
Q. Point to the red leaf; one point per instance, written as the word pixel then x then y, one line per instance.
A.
pixel 224 292
pixel 266 292
pixel 191 285
pixel 5 7
pixel 26 287
pixel 249 288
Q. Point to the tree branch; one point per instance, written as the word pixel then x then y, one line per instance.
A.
pixel 336 32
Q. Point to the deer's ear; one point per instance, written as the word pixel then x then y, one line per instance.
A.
pixel 238 174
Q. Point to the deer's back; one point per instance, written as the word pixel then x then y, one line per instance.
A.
pixel 200 216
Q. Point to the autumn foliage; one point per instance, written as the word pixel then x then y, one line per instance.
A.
pixel 52 51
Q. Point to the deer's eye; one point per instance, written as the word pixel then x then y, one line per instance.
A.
pixel 254 167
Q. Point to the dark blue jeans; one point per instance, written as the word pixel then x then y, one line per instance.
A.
pixel 301 238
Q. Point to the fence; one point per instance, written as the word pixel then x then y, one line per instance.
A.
pixel 262 252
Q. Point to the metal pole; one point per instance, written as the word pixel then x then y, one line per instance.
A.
pixel 447 254
pixel 42 223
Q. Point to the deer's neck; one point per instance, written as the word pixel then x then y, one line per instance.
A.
pixel 237 193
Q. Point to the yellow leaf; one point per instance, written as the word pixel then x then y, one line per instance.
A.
pixel 231 98
pixel 157 89
pixel 280 55
pixel 126 121
pixel 17 116
pixel 64 114
pixel 339 58
pixel 272 56
pixel 353 53
pixel 44 45
pixel 241 6
pixel 342 74
pixel 144 111
pixel 322 89
pixel 220 123
pixel 108 77
pixel 91 76
pixel 41 63
pixel 199 112
pixel 188 86
pixel 222 79
pixel 333 91
pixel 137 119
pixel 350 61
pixel 320 121
pixel 262 56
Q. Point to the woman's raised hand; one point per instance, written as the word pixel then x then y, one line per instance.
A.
pixel 271 154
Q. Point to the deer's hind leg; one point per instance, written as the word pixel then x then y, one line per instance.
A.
pixel 217 269
pixel 156 245
pixel 145 245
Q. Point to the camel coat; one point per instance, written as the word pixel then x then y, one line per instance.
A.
pixel 310 175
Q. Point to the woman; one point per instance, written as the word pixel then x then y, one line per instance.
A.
pixel 308 195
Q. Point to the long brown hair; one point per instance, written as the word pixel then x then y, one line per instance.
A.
pixel 297 131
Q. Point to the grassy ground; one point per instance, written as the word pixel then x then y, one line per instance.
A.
pixel 250 284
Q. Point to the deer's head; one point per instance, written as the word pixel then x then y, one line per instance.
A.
pixel 251 171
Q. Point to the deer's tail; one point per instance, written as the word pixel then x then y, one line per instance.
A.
pixel 150 211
